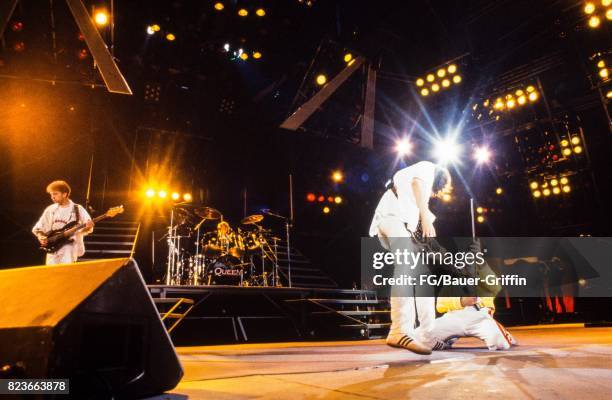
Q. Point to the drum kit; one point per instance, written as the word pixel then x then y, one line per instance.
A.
pixel 204 249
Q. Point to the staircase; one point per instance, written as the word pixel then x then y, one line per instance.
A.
pixel 348 314
pixel 111 239
pixel 303 273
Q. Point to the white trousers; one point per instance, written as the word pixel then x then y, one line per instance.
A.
pixel 469 322
pixel 65 255
pixel 405 309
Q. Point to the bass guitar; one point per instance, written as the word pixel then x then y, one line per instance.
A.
pixel 58 238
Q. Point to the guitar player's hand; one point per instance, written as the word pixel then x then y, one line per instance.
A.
pixel 42 240
pixel 89 225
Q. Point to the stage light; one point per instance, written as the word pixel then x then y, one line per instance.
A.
pixel 348 57
pixel 162 194
pixel 243 12
pixel 589 8
pixel 446 151
pixel 219 6
pixel 260 12
pixel 601 64
pixel 226 47
pixel 521 100
pixel 533 185
pixel 479 210
pixel 533 96
pixel 321 199
pixel 244 56
pixel 420 82
pixel 257 55
pixel 175 196
pixel 457 78
pixel 499 191
pixel 577 149
pixel 150 193
pixel 554 182
pixel 321 79
pixel 156 28
pixel 101 18
pixel 17 26
pixel 187 197
pixel 499 104
pixel 564 143
pixel 337 176
pixel 150 30
pixel 510 104
pixel 330 199
pixel 564 181
pixel 446 197
pixel 486 103
pixel 567 151
pixel 594 21
pixel 170 37
pixel 530 89
pixel 606 3
pixel 609 94
pixel 424 92
pixel 82 54
pixel 537 194
pixel 403 147
pixel 575 139
pixel 446 83
pixel 326 210
pixel 546 192
pixel 609 14
pixel 566 189
pixel 556 190
pixel 430 77
pixel 482 155
pixel 480 219
pixel 435 87
pixel 441 73
pixel 452 69
pixel 337 199
pixel 603 73
pixel 310 197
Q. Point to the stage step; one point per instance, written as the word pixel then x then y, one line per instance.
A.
pixel 356 313
pixel 111 239
pixel 172 310
pixel 367 326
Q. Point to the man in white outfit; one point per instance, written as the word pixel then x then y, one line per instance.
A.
pixel 398 214
pixel 56 216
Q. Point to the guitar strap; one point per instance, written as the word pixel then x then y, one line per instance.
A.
pixel 76 212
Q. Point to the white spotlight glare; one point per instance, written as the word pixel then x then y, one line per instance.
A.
pixel 403 147
pixel 482 155
pixel 226 47
pixel 446 151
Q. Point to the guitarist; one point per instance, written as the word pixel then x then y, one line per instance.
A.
pixel 61 212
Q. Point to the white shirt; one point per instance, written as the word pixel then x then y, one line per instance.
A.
pixel 404 206
pixel 56 216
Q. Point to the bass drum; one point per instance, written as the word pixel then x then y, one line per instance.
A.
pixel 220 273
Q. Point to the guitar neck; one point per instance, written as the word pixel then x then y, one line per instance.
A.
pixel 81 226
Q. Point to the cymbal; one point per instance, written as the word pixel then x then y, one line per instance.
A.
pixel 252 219
pixel 207 213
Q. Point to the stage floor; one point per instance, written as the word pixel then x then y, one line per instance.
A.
pixel 551 362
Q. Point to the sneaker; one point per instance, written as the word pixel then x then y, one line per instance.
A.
pixel 445 345
pixel 408 343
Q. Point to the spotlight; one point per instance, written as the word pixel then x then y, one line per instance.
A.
pixel 403 147
pixel 150 30
pixel 510 104
pixel 337 199
pixel 546 192
pixel 589 8
pixel 482 155
pixel 446 151
pixel 499 191
pixel 435 87
pixel 219 6
pixel 348 57
pixel 499 104
pixel 170 37
pixel 556 190
pixel 162 194
pixel 603 73
pixel 310 197
pixel 424 92
pixel 519 93
pixel 243 12
pixel 566 189
pixel 326 210
pixel 452 69
pixel 446 83
pixel 577 149
pixel 533 185
pixel 533 96
pixel 187 197
pixel 321 79
pixel 330 199
pixel 150 193
pixel 537 194
pixel 554 182
pixel 564 143
pixel 479 210
pixel 457 79
pixel 244 56
pixel 564 181
pixel 260 12
pixel 575 139
pixel 441 73
pixel 601 64
pixel 480 219
pixel 337 176
pixel 521 100
pixel 101 18
pixel 156 28
pixel 609 94
pixel 594 21
pixel 530 89
pixel 257 55
pixel 321 199
pixel 420 82
pixel 567 151
pixel 175 196
pixel 609 14
pixel 430 78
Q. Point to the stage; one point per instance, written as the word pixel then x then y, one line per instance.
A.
pixel 551 361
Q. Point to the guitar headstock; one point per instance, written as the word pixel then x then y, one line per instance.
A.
pixel 114 211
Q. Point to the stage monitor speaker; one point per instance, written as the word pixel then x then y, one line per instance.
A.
pixel 93 323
